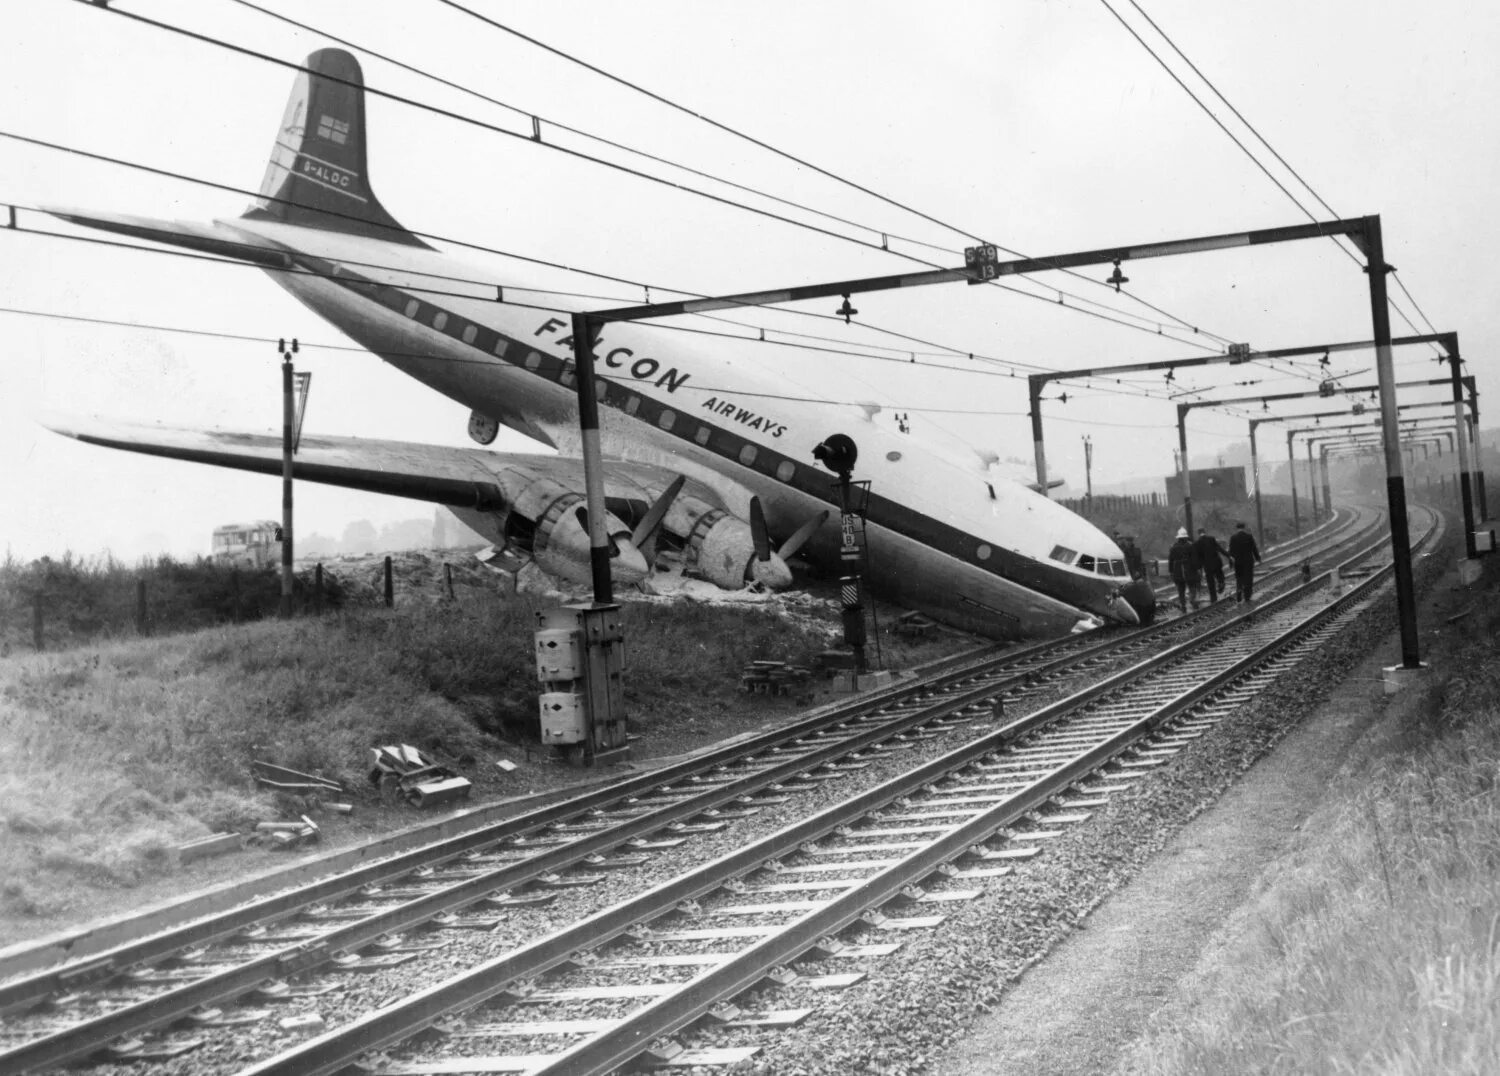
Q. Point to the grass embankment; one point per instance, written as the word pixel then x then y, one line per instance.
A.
pixel 1375 946
pixel 117 753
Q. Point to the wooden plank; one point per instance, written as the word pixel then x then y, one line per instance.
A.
pixel 214 845
pixel 850 849
pixel 831 982
pixel 1005 853
pixel 849 865
pixel 909 922
pixel 453 1066
pixel 712 934
pixel 763 909
pixel 900 831
pixel 803 886
pixel 597 993
pixel 982 872
pixel 774 1018
pixel 538 1027
pixel 716 1056
pixel 664 960
pixel 944 896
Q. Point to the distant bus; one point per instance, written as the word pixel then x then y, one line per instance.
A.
pixel 251 545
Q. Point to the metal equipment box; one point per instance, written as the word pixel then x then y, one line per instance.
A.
pixel 559 654
pixel 581 655
pixel 564 717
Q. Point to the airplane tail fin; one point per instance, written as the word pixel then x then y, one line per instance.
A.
pixel 318 174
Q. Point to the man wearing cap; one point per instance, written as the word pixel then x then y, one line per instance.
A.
pixel 1244 554
pixel 1183 563
pixel 1208 548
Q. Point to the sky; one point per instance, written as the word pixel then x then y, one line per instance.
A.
pixel 905 135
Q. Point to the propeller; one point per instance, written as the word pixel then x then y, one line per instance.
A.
pixel 760 540
pixel 644 535
pixel 801 535
pixel 583 521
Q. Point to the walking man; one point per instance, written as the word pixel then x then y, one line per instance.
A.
pixel 1209 551
pixel 1134 562
pixel 1182 562
pixel 1244 554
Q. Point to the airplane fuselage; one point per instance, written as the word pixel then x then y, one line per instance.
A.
pixel 944 536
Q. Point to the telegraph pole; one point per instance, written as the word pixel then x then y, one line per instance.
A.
pixel 288 421
pixel 1088 471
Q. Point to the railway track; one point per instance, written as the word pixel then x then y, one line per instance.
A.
pixel 169 988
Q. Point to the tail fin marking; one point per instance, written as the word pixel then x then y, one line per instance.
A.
pixel 317 176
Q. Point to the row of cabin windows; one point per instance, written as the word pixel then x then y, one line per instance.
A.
pixel 1088 563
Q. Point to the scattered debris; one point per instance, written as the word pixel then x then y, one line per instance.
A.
pixel 308 1021
pixel 286 834
pixel 405 771
pixel 913 625
pixel 831 661
pixel 505 764
pixel 292 782
pixel 203 847
pixel 774 678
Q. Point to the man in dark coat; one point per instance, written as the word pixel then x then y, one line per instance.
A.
pixel 1134 562
pixel 1209 551
pixel 1182 562
pixel 1244 554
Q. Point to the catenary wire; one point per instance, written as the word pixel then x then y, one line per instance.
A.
pixel 493 128
pixel 1263 141
pixel 1245 149
pixel 794 158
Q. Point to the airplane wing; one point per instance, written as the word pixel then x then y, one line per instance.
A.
pixel 525 502
pixel 457 477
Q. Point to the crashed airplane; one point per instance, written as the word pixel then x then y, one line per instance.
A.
pixel 724 479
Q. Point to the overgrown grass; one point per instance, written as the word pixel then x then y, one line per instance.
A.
pixel 1376 947
pixel 119 752
pixel 85 599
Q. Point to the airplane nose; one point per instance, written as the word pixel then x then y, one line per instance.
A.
pixel 1141 601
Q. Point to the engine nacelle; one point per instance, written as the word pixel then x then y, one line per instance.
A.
pixel 723 550
pixel 561 545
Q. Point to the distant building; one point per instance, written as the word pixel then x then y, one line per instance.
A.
pixel 1209 484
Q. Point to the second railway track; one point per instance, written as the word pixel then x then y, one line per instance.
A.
pixel 363 923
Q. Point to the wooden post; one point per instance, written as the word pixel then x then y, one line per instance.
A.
pixel 140 606
pixel 390 590
pixel 36 620
pixel 318 589
pixel 234 591
pixel 448 578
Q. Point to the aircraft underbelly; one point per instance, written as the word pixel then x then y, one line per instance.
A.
pixel 498 389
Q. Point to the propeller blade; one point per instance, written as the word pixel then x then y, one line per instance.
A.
pixel 646 528
pixel 583 521
pixel 802 534
pixel 758 535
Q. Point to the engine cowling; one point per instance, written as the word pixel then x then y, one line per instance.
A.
pixel 560 542
pixel 723 551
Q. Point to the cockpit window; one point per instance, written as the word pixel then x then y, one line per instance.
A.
pixel 1086 562
pixel 1117 567
pixel 1063 553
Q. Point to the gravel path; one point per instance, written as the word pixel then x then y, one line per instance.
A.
pixel 1076 1010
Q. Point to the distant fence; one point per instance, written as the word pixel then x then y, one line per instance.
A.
pixel 1112 502
pixel 54 604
